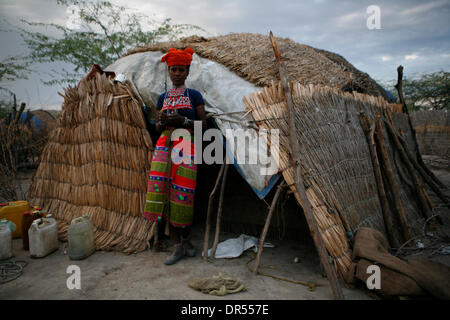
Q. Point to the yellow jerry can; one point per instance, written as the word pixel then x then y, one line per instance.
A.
pixel 13 211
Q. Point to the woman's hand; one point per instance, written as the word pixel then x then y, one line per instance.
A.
pixel 175 120
pixel 162 119
pixel 161 122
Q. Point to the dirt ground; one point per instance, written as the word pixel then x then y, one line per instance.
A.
pixel 112 275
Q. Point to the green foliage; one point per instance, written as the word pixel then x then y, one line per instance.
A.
pixel 13 68
pixel 429 91
pixel 102 33
pixel 4 110
pixel 6 104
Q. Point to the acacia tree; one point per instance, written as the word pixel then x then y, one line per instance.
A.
pixel 100 33
pixel 11 69
pixel 429 91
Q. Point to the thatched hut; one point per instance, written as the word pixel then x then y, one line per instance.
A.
pixel 96 162
pixel 97 158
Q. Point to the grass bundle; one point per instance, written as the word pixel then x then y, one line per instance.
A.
pixel 96 162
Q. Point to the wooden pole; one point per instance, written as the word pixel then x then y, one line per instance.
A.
pixel 14 109
pixel 266 225
pixel 399 87
pixel 208 214
pixel 409 161
pixel 19 112
pixel 427 178
pixel 369 130
pixel 392 180
pixel 219 213
pixel 417 184
pixel 299 184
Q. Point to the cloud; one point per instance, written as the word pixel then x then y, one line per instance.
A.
pixel 414 33
pixel 420 9
pixel 350 19
pixel 411 56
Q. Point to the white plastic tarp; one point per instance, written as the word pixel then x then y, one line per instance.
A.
pixel 223 92
pixel 233 248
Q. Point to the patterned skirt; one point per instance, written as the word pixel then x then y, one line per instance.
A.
pixel 172 181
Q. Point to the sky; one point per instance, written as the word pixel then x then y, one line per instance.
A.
pixel 375 36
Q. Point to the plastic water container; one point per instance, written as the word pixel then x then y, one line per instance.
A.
pixel 27 220
pixel 13 211
pixel 81 238
pixel 5 240
pixel 43 237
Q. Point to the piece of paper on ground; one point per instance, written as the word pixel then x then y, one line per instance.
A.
pixel 233 248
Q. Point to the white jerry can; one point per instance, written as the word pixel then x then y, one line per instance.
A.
pixel 43 237
pixel 81 238
pixel 5 240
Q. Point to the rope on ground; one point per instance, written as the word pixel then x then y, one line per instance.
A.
pixel 311 286
pixel 218 285
pixel 11 270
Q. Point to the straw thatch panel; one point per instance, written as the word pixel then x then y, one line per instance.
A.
pixel 251 57
pixel 432 131
pixel 96 162
pixel 336 163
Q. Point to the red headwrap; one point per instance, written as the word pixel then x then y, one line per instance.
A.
pixel 178 57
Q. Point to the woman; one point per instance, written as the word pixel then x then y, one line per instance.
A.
pixel 171 185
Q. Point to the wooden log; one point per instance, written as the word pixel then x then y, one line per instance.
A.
pixel 426 177
pixel 208 214
pixel 19 112
pixel 399 87
pixel 14 109
pixel 417 184
pixel 299 183
pixel 219 213
pixel 369 130
pixel 266 225
pixel 427 197
pixel 406 231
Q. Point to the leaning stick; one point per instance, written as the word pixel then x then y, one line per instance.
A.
pixel 369 130
pixel 219 213
pixel 419 168
pixel 299 184
pixel 208 215
pixel 417 184
pixel 392 180
pixel 399 87
pixel 266 226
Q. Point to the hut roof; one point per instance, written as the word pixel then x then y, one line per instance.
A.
pixel 251 57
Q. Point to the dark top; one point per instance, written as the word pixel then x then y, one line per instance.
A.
pixel 185 104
